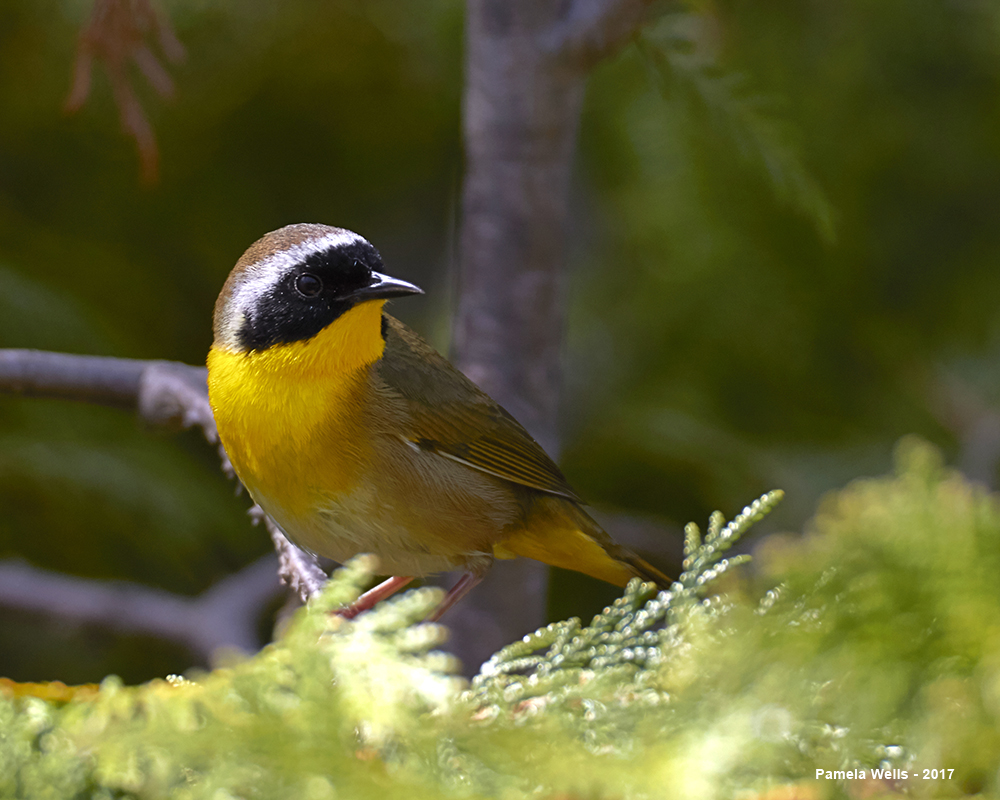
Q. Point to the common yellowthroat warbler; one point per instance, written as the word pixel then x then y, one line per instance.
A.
pixel 356 436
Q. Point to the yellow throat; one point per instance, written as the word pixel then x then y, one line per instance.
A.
pixel 287 414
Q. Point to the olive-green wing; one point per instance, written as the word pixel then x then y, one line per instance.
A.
pixel 451 416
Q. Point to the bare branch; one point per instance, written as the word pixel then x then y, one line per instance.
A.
pixel 296 568
pixel 164 394
pixel 175 395
pixel 223 616
pixel 93 379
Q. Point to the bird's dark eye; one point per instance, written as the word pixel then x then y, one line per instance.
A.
pixel 308 285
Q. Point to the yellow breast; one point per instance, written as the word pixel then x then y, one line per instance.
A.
pixel 291 416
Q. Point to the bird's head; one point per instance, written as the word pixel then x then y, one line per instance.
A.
pixel 297 281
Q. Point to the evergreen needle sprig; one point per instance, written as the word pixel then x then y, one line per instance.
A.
pixel 702 559
pixel 625 638
pixel 684 64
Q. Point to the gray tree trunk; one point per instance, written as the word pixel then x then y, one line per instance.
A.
pixel 527 63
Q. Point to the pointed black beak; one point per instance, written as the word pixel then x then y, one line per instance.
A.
pixel 383 287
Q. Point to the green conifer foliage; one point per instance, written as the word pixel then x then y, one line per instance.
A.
pixel 871 642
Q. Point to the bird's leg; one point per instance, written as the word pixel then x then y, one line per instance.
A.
pixel 374 595
pixel 477 569
pixel 456 593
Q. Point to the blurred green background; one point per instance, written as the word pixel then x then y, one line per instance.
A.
pixel 783 257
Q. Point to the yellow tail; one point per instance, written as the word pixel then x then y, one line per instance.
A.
pixel 560 533
pixel 645 570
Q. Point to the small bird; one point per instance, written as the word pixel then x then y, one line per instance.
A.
pixel 356 436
